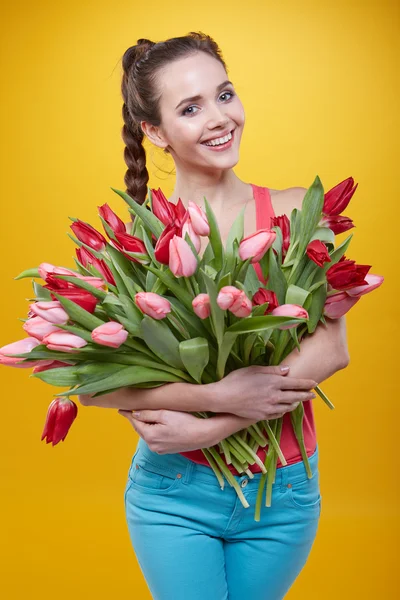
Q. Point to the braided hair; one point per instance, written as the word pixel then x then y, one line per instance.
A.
pixel 141 64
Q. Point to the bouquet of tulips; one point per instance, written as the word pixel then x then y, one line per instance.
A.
pixel 143 308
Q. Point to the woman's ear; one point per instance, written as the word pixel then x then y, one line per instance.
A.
pixel 153 133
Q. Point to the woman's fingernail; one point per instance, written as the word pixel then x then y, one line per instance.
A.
pixel 136 413
pixel 285 369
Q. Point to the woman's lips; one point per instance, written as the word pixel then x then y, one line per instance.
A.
pixel 221 147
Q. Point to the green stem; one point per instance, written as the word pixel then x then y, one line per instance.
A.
pixel 254 456
pixel 214 467
pixel 324 397
pixel 229 477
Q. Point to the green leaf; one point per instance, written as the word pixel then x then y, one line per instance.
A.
pixel 324 234
pixel 41 293
pixel 236 233
pixel 28 273
pixel 223 352
pixel 217 315
pixel 225 280
pixel 311 211
pixel 276 278
pixel 214 237
pixel 173 286
pixel 337 254
pixel 149 246
pixel 148 218
pixel 251 282
pixel 195 356
pixel 261 323
pixel 125 275
pixel 78 314
pixel 161 341
pixel 317 307
pixel 296 295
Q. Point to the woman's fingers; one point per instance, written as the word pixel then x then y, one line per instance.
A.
pixel 294 383
pixel 288 397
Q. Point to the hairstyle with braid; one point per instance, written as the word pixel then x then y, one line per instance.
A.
pixel 141 65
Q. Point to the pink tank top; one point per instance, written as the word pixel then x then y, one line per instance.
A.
pixel 288 442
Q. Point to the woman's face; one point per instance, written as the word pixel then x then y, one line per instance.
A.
pixel 186 124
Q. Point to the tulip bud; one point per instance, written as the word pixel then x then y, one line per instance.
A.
pixel 182 261
pixel 45 268
pixel 338 305
pixel 89 235
pixel 38 327
pixel 187 228
pixel 256 245
pixel 52 312
pixel 63 341
pixel 235 300
pixel 201 306
pixel 110 334
pixel 20 347
pixel 290 310
pixel 60 416
pixel 337 198
pixel 373 282
pixel 318 252
pixel 112 220
pixel 153 305
pixel 262 296
pixel 198 219
pixel 52 364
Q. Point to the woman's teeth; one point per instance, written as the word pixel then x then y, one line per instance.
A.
pixel 219 141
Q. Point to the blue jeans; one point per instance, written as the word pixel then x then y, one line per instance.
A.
pixel 194 541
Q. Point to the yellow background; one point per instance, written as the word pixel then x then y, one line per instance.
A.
pixel 319 82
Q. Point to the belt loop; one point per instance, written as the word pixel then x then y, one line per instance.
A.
pixel 189 471
pixel 284 479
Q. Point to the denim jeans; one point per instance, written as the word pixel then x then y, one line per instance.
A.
pixel 194 541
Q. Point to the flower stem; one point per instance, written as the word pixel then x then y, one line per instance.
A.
pixel 230 478
pixel 324 397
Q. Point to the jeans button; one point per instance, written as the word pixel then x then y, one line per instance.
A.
pixel 244 482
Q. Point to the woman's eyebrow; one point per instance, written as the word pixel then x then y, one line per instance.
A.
pixel 199 97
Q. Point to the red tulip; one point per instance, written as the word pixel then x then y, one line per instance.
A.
pixel 337 223
pixel 347 274
pixel 338 305
pixel 89 235
pixel 182 261
pixel 318 252
pixel 262 296
pixel 201 306
pixel 68 290
pixel 256 245
pixel 284 224
pixel 86 258
pixel 110 334
pixel 60 416
pixel 161 251
pixel 235 300
pixel 112 220
pixel 153 305
pixel 337 198
pixel 127 243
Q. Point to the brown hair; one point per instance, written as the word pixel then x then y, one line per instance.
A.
pixel 141 64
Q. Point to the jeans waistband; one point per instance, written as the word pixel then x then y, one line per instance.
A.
pixel 175 464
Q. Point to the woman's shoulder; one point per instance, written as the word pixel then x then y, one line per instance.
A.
pixel 284 201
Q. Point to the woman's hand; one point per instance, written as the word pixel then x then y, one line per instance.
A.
pixel 261 393
pixel 171 431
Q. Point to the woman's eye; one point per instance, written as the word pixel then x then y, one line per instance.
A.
pixel 185 112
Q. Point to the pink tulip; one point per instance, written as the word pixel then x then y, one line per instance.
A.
pixel 96 282
pixel 289 310
pixel 161 250
pixel 201 305
pixel 52 364
pixel 235 300
pixel 187 228
pixel 338 305
pixel 20 347
pixel 63 341
pixel 182 261
pixel 50 311
pixel 46 268
pixel 110 334
pixel 38 327
pixel 198 219
pixel 60 416
pixel 373 282
pixel 256 245
pixel 153 305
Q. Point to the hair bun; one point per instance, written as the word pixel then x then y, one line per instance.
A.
pixel 136 53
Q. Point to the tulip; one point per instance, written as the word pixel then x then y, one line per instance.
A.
pixel 262 296
pixel 127 243
pixel 256 245
pixel 38 327
pixel 318 252
pixel 337 223
pixel 182 261
pixel 110 334
pixel 20 347
pixel 338 305
pixel 46 268
pixel 347 274
pixel 64 288
pixel 60 416
pixel 52 312
pixel 336 199
pixel 284 224
pixel 201 306
pixel 86 259
pixel 164 210
pixel 373 282
pixel 290 310
pixel 153 305
pixel 198 219
pixel 53 364
pixel 112 220
pixel 161 251
pixel 89 235
pixel 235 300
pixel 63 341
pixel 187 228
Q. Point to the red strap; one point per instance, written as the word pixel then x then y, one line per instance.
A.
pixel 264 209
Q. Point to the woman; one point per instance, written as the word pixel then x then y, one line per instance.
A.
pixel 193 540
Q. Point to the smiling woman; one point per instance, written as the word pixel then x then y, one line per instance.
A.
pixel 178 95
